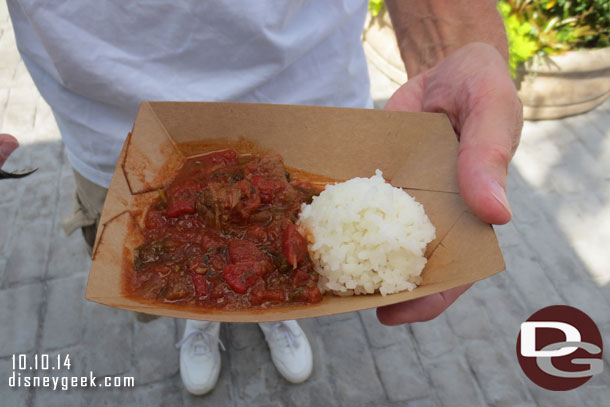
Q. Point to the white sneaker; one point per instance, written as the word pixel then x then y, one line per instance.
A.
pixel 290 350
pixel 199 356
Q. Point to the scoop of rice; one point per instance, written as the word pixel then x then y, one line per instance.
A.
pixel 365 235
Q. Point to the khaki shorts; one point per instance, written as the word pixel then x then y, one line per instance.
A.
pixel 88 203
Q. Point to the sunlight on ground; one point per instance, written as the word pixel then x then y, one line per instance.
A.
pixel 566 163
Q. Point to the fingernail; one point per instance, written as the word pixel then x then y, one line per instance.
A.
pixel 498 192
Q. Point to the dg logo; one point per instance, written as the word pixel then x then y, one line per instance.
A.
pixel 560 348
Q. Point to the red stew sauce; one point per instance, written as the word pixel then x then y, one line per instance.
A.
pixel 222 235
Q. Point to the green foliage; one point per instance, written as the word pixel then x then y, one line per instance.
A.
pixel 522 43
pixel 376 6
pixel 547 26
pixel 554 26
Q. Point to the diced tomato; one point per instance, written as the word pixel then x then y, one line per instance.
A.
pixel 300 277
pixel 241 276
pixel 294 246
pixel 245 251
pixel 154 219
pixel 181 200
pixel 180 207
pixel 312 294
pixel 268 188
pixel 259 295
pixel 200 283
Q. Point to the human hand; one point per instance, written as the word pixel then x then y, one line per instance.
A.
pixel 8 144
pixel 473 87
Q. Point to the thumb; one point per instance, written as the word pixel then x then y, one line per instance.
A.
pixel 8 144
pixel 488 140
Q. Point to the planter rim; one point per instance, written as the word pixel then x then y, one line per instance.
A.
pixel 585 60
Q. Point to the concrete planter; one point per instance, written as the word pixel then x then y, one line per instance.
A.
pixel 553 87
pixel 381 48
pixel 550 87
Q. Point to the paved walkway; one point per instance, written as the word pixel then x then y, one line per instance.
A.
pixel 556 251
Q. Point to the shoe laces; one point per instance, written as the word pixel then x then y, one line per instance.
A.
pixel 202 341
pixel 285 332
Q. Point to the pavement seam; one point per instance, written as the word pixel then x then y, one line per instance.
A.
pixel 418 355
pixel 44 295
pixel 370 347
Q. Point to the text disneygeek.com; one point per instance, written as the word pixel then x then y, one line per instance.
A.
pixel 27 367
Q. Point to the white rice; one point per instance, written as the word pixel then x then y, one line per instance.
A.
pixel 364 235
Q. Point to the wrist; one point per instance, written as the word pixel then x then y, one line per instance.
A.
pixel 427 31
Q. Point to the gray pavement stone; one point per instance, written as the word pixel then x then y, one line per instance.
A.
pixel 62 324
pixel 596 391
pixel 48 156
pixel 19 321
pixel 245 335
pixel 20 110
pixel 434 338
pixel 7 214
pixel 422 403
pixel 63 394
pixel 544 397
pixel 585 295
pixel 468 317
pixel 2 269
pixel 332 319
pixel 255 380
pixel 351 368
pixel 311 393
pixel 534 286
pixel 68 255
pixel 155 354
pixel 497 372
pixel 505 310
pixel 11 188
pixel 4 92
pixel 453 382
pixel 605 332
pixel 109 397
pixel 167 392
pixel 508 236
pixel 401 373
pixel 11 393
pixel 58 398
pixel 380 335
pixel 109 338
pixel 26 261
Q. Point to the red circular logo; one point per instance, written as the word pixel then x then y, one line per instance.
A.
pixel 560 348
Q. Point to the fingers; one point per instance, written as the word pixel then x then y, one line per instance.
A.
pixel 420 309
pixel 8 144
pixel 488 140
pixel 408 97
